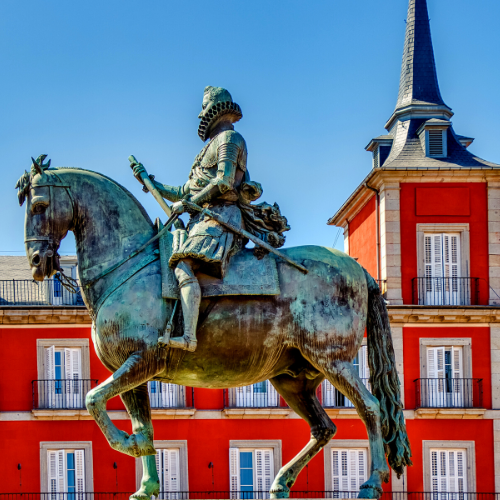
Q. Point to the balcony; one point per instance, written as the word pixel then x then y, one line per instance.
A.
pixel 170 400
pixel 35 293
pixel 450 291
pixel 65 394
pixel 462 397
pixel 254 401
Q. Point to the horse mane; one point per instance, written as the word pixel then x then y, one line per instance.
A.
pixel 23 185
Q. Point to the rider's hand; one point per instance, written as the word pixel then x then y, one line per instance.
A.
pixel 177 208
pixel 138 169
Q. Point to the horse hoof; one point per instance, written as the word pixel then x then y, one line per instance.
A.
pixel 370 492
pixel 148 488
pixel 140 446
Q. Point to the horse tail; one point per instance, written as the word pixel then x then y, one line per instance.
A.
pixel 384 380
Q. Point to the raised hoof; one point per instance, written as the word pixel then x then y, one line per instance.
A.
pixel 185 343
pixel 370 492
pixel 140 446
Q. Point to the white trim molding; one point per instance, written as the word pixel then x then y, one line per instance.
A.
pixel 468 446
pixel 45 446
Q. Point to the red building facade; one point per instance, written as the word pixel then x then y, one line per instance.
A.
pixel 425 222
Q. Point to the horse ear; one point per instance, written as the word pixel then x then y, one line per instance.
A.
pixel 38 168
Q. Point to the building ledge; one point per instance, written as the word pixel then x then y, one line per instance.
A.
pixel 342 412
pixel 47 414
pixel 450 413
pixel 172 413
pixel 261 413
pixel 443 314
pixel 43 315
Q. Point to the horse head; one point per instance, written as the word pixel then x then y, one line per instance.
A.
pixel 49 216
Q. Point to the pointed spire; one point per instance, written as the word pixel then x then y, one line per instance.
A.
pixel 418 83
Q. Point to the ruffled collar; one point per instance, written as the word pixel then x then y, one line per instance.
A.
pixel 219 109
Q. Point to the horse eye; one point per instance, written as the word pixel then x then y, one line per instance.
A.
pixel 39 208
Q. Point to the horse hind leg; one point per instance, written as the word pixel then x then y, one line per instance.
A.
pixel 300 394
pixel 136 370
pixel 345 378
pixel 138 407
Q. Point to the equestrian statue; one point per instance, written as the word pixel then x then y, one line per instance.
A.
pixel 293 316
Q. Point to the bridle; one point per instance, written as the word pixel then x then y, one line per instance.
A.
pixel 51 180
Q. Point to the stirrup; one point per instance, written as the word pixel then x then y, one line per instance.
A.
pixel 184 342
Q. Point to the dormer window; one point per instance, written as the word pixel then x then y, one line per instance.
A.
pixel 435 140
pixel 433 137
pixel 381 149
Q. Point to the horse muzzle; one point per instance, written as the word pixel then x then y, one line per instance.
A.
pixel 42 264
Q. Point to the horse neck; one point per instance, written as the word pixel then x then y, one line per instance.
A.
pixel 109 222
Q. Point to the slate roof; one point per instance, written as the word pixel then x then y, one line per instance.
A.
pixel 418 82
pixel 14 268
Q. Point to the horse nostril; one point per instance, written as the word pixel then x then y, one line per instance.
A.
pixel 36 260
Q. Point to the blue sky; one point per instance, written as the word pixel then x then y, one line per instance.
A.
pixel 90 83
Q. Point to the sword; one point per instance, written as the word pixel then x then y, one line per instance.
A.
pixel 245 234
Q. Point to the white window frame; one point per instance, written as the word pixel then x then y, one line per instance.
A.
pixel 181 445
pixel 46 446
pixel 444 133
pixel 83 344
pixel 174 391
pixel 465 343
pixel 275 445
pixel 347 444
pixel 468 446
pixel 462 229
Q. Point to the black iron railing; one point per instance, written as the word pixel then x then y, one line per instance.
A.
pixel 165 396
pixel 448 393
pixel 427 291
pixel 37 293
pixel 66 394
pixel 330 397
pixel 261 395
pixel 244 495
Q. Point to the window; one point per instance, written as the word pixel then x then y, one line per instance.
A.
pixel 167 465
pixel 66 467
pixel 331 398
pixel 163 395
pixel 349 469
pixel 347 466
pixel 63 373
pixel 443 266
pixel 436 146
pixel 259 395
pixel 449 468
pixel 172 467
pixel 252 472
pixel 252 467
pixel 66 472
pixel 448 472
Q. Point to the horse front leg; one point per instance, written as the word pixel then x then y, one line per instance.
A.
pixel 136 370
pixel 138 407
pixel 300 394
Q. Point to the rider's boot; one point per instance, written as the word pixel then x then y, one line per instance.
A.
pixel 190 292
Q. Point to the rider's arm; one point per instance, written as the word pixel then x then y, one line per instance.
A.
pixel 172 193
pixel 227 160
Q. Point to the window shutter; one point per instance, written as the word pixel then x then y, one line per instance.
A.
pixel 272 395
pixel 80 471
pixel 435 142
pixel 234 471
pixel 328 393
pixel 173 391
pixel 349 469
pixel 61 483
pixel 433 389
pixel 264 470
pixel 364 371
pixel 173 470
pixel 47 392
pixel 52 469
pixel 73 375
pixel 448 471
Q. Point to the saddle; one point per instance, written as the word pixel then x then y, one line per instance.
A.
pixel 245 275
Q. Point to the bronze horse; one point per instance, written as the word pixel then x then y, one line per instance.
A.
pixel 312 330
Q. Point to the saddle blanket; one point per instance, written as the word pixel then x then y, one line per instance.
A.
pixel 246 275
